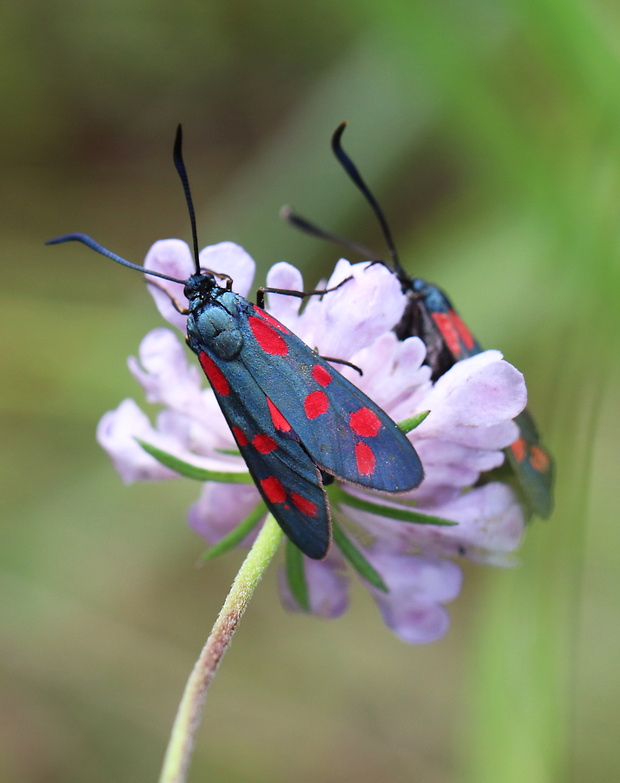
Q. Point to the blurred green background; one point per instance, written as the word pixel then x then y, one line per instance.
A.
pixel 491 133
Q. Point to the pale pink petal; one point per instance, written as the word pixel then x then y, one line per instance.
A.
pixel 353 316
pixel 285 308
pixel 401 362
pixel 328 587
pixel 490 521
pixel 174 258
pixel 221 508
pixel 451 464
pixel 230 259
pixel 418 588
pixel 117 432
pixel 474 403
pixel 165 374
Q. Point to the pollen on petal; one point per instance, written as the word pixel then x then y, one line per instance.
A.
pixel 303 504
pixel 273 489
pixel 365 458
pixel 264 444
pixel 365 422
pixel 216 377
pixel 240 436
pixel 279 422
pixel 316 403
pixel 269 340
pixel 322 376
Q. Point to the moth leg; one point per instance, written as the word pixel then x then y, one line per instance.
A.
pixel 379 261
pixel 175 304
pixel 260 294
pixel 343 361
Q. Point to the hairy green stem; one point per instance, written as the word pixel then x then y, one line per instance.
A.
pixel 182 738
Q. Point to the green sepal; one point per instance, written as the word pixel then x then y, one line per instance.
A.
pixel 237 535
pixel 410 424
pixel 353 555
pixel 192 471
pixel 296 576
pixel 338 495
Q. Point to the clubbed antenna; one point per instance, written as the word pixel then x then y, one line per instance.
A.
pixel 301 223
pixel 182 171
pixel 353 172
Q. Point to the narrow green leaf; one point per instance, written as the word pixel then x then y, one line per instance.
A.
pixel 237 535
pixel 338 495
pixel 296 575
pixel 192 471
pixel 410 424
pixel 357 559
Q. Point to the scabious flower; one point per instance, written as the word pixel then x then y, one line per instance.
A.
pixel 471 411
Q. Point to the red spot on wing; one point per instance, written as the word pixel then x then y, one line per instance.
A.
pixel 240 436
pixel 279 422
pixel 464 333
pixel 365 422
pixel 316 403
pixel 266 336
pixel 215 376
pixel 270 320
pixel 322 376
pixel 264 444
pixel 365 458
pixel 539 459
pixel 303 504
pixel 448 332
pixel 518 448
pixel 273 489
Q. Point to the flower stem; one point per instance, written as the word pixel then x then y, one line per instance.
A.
pixel 182 738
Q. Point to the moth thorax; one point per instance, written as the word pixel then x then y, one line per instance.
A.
pixel 214 326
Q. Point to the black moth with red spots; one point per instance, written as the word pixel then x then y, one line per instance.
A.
pixel 295 418
pixel 429 315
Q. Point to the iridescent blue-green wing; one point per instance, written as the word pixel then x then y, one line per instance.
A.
pixel 346 434
pixel 284 473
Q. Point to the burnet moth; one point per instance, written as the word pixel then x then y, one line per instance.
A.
pixel 296 420
pixel 430 315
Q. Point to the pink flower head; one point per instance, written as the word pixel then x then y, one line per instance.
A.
pixel 472 407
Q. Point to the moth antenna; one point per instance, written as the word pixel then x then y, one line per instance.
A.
pixel 301 223
pixel 89 242
pixel 354 174
pixel 177 156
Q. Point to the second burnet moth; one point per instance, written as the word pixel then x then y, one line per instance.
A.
pixel 429 314
pixel 296 420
